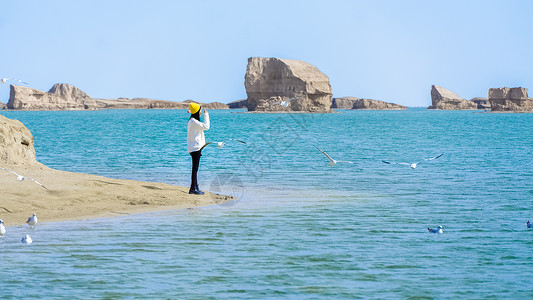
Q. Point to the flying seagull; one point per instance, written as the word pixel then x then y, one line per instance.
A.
pixel 413 165
pixel 27 239
pixel 221 144
pixel 437 230
pixel 4 80
pixel 32 221
pixel 286 102
pixel 2 228
pixel 529 225
pixel 332 162
pixel 22 178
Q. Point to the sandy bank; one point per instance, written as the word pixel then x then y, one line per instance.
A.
pixel 74 196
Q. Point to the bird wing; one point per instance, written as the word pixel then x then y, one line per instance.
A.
pixel 206 145
pixel 395 163
pixel 329 157
pixel 237 141
pixel 432 158
pixel 37 182
pixel 13 172
pixel 345 161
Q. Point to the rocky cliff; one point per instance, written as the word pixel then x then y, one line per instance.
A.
pixel 59 97
pixel 510 99
pixel 344 102
pixel 271 81
pixel 442 98
pixel 67 97
pixel 3 105
pixel 16 145
pixel 482 103
pixel 238 104
pixel 376 105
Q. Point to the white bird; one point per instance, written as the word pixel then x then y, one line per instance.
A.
pixel 529 225
pixel 286 102
pixel 437 230
pixel 22 178
pixel 332 162
pixel 27 239
pixel 221 144
pixel 2 228
pixel 4 80
pixel 413 165
pixel 32 221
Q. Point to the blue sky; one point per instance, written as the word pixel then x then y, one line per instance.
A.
pixel 177 50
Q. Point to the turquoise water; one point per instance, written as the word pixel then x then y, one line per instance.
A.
pixel 300 228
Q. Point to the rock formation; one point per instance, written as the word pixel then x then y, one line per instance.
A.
pixel 16 145
pixel 442 98
pixel 482 103
pixel 510 99
pixel 273 80
pixel 60 97
pixel 238 104
pixel 67 97
pixel 344 102
pixel 376 105
pixel 3 105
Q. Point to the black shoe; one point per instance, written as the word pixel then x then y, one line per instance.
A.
pixel 195 191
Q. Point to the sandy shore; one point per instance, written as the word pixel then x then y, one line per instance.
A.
pixel 75 196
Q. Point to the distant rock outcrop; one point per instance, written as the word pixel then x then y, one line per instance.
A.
pixel 238 104
pixel 67 97
pixel 273 80
pixel 3 105
pixel 510 99
pixel 482 103
pixel 60 97
pixel 376 105
pixel 344 102
pixel 16 145
pixel 442 98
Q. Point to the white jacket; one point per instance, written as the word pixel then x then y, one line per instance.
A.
pixel 195 133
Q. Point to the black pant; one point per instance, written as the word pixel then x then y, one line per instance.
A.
pixel 195 165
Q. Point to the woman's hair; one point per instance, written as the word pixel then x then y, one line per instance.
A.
pixel 196 115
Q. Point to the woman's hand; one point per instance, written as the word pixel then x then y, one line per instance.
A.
pixel 205 111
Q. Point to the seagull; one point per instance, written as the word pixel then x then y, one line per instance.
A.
pixel 437 230
pixel 413 165
pixel 22 178
pixel 221 144
pixel 286 102
pixel 4 80
pixel 2 228
pixel 332 162
pixel 27 239
pixel 529 225
pixel 32 221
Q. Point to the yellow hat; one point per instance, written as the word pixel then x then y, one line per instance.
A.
pixel 194 107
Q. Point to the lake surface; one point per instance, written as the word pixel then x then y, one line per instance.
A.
pixel 300 228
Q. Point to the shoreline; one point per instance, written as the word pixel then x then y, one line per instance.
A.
pixel 77 196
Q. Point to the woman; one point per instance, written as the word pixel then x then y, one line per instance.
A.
pixel 195 142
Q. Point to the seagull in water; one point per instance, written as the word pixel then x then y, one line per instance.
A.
pixel 4 80
pixel 529 225
pixel 221 144
pixel 2 228
pixel 32 221
pixel 286 102
pixel 332 162
pixel 437 230
pixel 413 165
pixel 27 239
pixel 22 178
